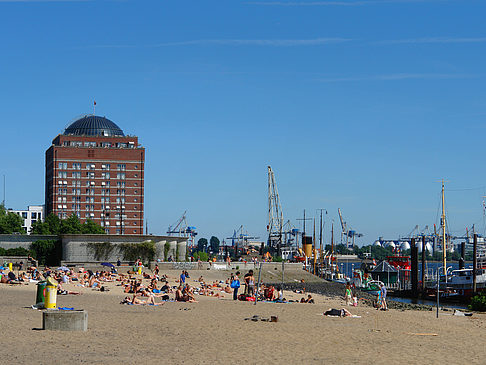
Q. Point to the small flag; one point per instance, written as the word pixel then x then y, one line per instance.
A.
pixel 95 102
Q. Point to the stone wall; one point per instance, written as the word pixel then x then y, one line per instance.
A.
pixel 80 248
pixel 21 240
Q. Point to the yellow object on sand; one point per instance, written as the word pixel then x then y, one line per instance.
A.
pixel 51 293
pixel 10 266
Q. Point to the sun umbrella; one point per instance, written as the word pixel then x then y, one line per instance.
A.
pixel 107 264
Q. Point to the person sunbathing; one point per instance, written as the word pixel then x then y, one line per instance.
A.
pixel 308 300
pixel 149 300
pixel 179 297
pixel 343 312
pixel 62 291
pixel 94 282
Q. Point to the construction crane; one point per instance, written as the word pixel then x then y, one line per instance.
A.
pixel 349 233
pixel 275 214
pixel 182 229
pixel 240 238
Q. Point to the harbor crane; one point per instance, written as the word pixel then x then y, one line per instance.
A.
pixel 239 238
pixel 182 229
pixel 347 232
pixel 291 234
pixel 275 214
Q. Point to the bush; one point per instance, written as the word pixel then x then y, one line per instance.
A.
pixel 166 250
pixel 478 302
pixel 133 251
pixel 200 255
pixel 45 251
pixel 101 250
pixel 18 251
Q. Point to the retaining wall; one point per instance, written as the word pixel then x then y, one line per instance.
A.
pixel 22 240
pixel 76 248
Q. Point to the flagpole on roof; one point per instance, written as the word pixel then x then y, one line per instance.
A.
pixel 94 107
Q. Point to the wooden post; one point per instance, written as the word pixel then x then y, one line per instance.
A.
pixel 475 260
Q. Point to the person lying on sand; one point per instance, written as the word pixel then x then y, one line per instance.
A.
pixel 343 312
pixel 308 300
pixel 149 300
pixel 61 291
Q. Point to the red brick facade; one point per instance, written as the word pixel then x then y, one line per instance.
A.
pixel 100 178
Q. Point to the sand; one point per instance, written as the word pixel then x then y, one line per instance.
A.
pixel 214 331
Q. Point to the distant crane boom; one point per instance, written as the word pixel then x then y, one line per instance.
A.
pixel 275 214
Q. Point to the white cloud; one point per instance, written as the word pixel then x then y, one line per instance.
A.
pixel 339 3
pixel 428 40
pixel 237 42
pixel 398 76
pixel 44 1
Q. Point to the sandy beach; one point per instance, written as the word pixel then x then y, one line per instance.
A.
pixel 215 331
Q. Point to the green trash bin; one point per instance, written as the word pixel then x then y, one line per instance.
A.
pixel 41 294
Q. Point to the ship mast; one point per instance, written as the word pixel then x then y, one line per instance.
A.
pixel 443 227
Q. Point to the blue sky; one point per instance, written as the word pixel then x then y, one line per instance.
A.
pixel 358 105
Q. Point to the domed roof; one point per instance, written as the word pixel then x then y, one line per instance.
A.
pixel 93 125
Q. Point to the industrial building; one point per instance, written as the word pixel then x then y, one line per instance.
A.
pixel 95 171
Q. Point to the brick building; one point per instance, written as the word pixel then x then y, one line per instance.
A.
pixel 96 172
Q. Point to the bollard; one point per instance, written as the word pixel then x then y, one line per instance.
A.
pixel 65 320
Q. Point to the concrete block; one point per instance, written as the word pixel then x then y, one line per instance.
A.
pixel 65 320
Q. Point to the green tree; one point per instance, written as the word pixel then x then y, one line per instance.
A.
pixel 202 244
pixel 51 225
pixel 44 251
pixel 71 225
pixel 214 244
pixel 90 227
pixel 10 222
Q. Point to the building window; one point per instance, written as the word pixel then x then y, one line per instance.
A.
pixel 121 167
pixel 120 176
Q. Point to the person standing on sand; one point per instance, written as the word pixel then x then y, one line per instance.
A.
pixel 249 283
pixel 348 294
pixel 384 306
pixel 183 278
pixel 235 289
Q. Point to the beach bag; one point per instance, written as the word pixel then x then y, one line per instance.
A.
pixel 235 284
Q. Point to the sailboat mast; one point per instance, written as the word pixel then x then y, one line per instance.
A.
pixel 442 223
pixel 314 245
pixel 332 245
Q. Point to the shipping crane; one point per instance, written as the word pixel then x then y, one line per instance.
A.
pixel 291 234
pixel 349 233
pixel 182 229
pixel 275 214
pixel 240 239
